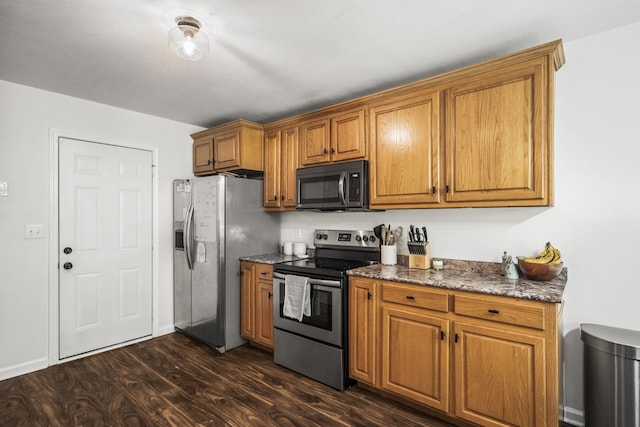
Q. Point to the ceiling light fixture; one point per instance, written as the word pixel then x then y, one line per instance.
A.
pixel 186 39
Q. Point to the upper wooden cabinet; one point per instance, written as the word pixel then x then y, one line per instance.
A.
pixel 333 137
pixel 405 146
pixel 497 148
pixel 232 147
pixel 280 164
pixel 479 136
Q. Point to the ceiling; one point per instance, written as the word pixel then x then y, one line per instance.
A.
pixel 272 58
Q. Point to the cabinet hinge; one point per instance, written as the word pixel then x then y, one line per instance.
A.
pixel 446 189
pixel 441 335
pixel 369 295
pixel 457 337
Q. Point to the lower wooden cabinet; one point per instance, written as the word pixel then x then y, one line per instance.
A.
pixel 415 356
pixel 256 320
pixel 485 359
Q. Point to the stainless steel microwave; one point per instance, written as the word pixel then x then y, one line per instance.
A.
pixel 338 186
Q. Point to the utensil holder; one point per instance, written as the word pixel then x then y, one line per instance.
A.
pixel 419 255
pixel 388 254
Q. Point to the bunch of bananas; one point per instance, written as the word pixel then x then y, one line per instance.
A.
pixel 549 255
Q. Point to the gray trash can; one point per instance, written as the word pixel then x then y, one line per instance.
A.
pixel 611 376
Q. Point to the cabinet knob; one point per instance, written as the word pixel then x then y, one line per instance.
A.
pixel 209 161
pixel 324 151
pixel 493 311
pixel 333 151
pixel 275 198
pixel 282 197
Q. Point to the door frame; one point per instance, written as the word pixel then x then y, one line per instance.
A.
pixel 54 284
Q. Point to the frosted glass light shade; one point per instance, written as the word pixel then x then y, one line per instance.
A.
pixel 187 41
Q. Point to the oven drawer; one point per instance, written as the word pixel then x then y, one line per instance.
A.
pixel 415 296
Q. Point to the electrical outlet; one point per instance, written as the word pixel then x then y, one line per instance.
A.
pixel 298 233
pixel 4 189
pixel 33 231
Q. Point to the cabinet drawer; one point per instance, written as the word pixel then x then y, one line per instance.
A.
pixel 415 296
pixel 521 313
pixel 264 272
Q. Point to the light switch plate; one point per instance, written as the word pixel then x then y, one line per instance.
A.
pixel 4 189
pixel 33 231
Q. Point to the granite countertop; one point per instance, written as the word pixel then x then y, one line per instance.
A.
pixel 471 276
pixel 270 258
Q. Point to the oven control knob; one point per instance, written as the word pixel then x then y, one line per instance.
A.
pixel 358 238
pixel 319 236
pixel 372 239
pixel 365 239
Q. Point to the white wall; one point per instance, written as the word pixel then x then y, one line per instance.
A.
pixel 596 217
pixel 26 117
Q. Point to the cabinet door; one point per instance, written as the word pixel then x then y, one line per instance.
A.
pixel 363 330
pixel 289 164
pixel 272 170
pixel 203 156
pixel 415 356
pixel 500 376
pixel 496 147
pixel 314 142
pixel 226 148
pixel 247 298
pixel 404 158
pixel 348 136
pixel 264 313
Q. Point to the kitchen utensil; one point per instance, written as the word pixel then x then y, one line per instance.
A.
pixel 377 231
pixel 424 230
pixel 397 234
pixel 412 237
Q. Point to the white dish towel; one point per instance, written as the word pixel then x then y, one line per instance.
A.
pixel 297 297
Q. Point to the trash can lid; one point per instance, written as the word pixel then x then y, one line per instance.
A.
pixel 617 341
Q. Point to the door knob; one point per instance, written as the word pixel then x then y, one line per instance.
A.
pixel 67 250
pixel 67 266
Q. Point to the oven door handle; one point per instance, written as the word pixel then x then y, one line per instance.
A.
pixel 313 282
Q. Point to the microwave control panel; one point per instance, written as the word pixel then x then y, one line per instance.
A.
pixel 354 187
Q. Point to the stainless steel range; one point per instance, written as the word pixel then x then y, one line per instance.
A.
pixel 317 345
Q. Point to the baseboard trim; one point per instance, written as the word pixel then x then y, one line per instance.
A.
pixel 573 417
pixel 165 330
pixel 23 368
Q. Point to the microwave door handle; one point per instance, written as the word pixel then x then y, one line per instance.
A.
pixel 343 177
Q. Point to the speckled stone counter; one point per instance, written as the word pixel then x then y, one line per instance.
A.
pixel 269 258
pixel 470 276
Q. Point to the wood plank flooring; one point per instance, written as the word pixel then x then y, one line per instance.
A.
pixel 174 380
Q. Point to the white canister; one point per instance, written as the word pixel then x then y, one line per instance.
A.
pixel 287 248
pixel 389 254
pixel 299 248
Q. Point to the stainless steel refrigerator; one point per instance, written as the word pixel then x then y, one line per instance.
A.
pixel 216 220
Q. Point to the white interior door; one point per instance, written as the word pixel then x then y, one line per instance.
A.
pixel 105 251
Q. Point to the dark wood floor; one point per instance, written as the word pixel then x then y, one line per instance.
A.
pixel 176 381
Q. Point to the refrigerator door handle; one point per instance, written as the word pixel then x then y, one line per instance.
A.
pixel 187 235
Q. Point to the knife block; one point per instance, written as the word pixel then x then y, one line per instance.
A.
pixel 420 255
